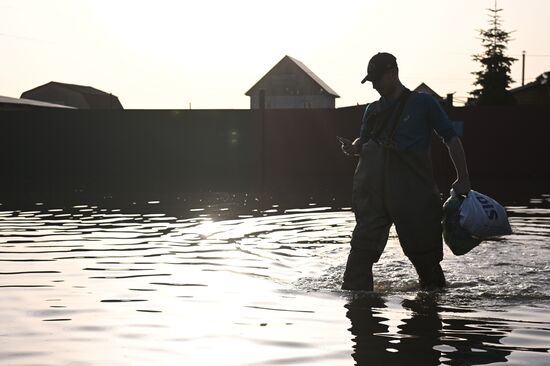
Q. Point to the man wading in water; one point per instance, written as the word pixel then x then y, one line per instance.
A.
pixel 394 182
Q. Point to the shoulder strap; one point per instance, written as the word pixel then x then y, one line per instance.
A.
pixel 378 121
pixel 403 98
pixel 381 120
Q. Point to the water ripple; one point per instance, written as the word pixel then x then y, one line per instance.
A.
pixel 89 271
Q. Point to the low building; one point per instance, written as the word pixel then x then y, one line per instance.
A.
pixel 536 92
pixel 291 84
pixel 77 96
pixel 13 104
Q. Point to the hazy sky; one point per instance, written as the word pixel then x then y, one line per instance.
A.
pixel 168 53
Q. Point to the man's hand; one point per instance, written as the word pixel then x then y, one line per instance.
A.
pixel 348 147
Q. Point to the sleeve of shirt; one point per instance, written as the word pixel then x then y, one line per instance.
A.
pixel 439 119
pixel 363 132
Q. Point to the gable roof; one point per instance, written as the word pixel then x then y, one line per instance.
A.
pixel 426 89
pixel 304 68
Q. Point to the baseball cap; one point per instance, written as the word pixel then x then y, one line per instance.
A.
pixel 378 64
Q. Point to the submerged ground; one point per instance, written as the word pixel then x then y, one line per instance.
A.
pixel 231 280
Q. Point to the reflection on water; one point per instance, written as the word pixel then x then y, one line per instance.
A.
pixel 420 336
pixel 228 281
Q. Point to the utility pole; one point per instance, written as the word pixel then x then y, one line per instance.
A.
pixel 523 68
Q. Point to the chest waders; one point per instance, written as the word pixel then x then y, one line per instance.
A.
pixel 397 187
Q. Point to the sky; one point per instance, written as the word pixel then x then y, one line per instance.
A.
pixel 206 54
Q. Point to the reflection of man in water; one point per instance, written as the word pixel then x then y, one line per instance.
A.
pixel 422 336
pixel 394 183
pixel 375 345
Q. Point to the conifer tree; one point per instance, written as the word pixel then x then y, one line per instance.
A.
pixel 494 77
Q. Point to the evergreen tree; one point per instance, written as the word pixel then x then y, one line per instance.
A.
pixel 494 77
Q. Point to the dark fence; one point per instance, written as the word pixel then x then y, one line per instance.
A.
pixel 506 148
pixel 119 151
pixel 56 151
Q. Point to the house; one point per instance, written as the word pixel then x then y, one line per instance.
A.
pixel 447 101
pixel 77 96
pixel 291 84
pixel 536 92
pixel 423 88
pixel 14 104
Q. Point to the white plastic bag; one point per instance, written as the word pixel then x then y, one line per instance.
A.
pixel 483 217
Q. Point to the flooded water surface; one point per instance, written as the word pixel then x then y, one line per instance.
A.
pixel 216 282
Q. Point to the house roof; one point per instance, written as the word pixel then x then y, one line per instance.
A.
pixel 542 79
pixel 305 69
pixel 78 88
pixel 93 96
pixel 426 89
pixel 30 102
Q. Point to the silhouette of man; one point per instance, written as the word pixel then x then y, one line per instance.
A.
pixel 393 181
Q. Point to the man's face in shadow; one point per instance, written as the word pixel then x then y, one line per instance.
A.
pixel 386 83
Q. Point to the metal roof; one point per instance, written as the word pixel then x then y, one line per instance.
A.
pixel 30 102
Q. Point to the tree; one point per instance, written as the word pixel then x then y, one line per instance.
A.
pixel 494 77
